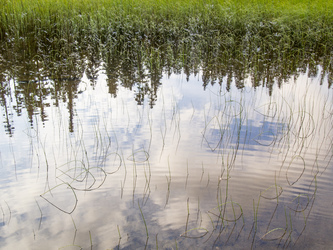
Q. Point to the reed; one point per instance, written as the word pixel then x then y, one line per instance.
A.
pixel 144 221
pixel 91 245
pixel 258 24
pixel 48 197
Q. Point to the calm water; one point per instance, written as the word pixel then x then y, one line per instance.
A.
pixel 187 168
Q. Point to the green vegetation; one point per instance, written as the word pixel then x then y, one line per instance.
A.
pixel 283 24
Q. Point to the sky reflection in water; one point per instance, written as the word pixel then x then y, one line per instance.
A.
pixel 207 168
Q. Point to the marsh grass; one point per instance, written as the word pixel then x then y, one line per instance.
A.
pixel 123 24
pixel 119 235
pixel 144 221
pixel 49 197
pixel 41 215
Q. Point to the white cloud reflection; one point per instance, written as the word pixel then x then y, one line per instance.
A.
pixel 182 148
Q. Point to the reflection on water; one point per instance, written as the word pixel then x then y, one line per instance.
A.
pixel 40 73
pixel 115 156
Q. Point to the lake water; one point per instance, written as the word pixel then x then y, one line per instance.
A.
pixel 169 166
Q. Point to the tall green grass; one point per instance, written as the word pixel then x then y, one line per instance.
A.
pixel 294 23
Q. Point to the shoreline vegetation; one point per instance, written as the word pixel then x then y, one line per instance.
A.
pixel 293 24
pixel 252 30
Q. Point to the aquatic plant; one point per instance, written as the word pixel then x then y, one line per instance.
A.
pixel 256 24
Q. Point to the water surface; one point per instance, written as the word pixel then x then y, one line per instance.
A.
pixel 178 164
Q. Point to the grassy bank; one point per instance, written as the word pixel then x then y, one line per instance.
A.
pixel 298 24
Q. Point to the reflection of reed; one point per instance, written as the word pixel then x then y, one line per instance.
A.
pixel 41 73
